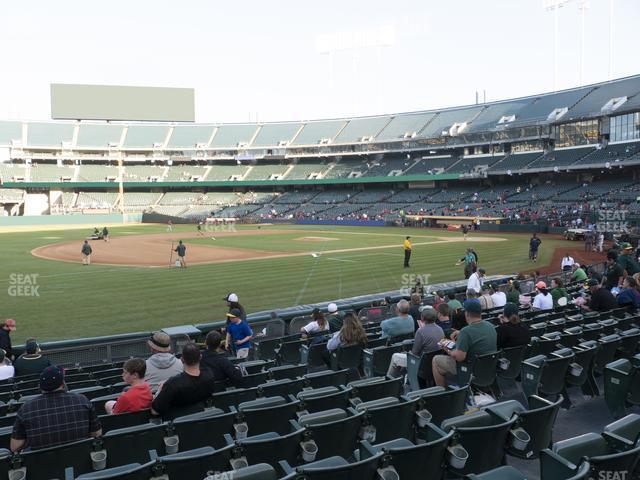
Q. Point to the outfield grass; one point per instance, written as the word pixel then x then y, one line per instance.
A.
pixel 76 302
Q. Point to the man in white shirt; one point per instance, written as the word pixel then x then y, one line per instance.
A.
pixel 499 297
pixel 567 263
pixel 6 369
pixel 475 281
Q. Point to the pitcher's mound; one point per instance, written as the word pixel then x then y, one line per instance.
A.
pixel 315 239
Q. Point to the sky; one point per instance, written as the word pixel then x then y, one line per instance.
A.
pixel 259 61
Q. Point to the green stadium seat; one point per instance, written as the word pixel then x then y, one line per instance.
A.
pixel 335 468
pixel 336 431
pixel 537 421
pixel 346 357
pixel 327 378
pixel 269 414
pixel 606 353
pixel 51 462
pixel 313 354
pixel 124 420
pixel 629 340
pixel 511 359
pixel 546 374
pixel 619 375
pixel 564 458
pixel 411 461
pixel 440 402
pixel 287 371
pixel 479 371
pixel 131 471
pixel 373 388
pixel 509 473
pixel 484 436
pixel 283 388
pixel 133 444
pixel 375 361
pixel 233 397
pixel 389 418
pixel 203 429
pixel 266 349
pixel 323 398
pixel 289 352
pixel 196 463
pixel 270 448
pixel 419 370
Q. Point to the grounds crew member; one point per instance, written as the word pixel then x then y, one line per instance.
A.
pixel 105 234
pixel 407 251
pixel 181 250
pixel 86 253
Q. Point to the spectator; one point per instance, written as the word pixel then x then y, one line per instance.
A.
pixel 318 324
pixel 162 364
pixel 454 304
pixel 626 260
pixel 54 417
pixel 214 359
pixel 6 328
pixel 475 280
pixel 240 333
pixel 189 388
pixel 557 290
pixel 602 300
pixel 334 317
pixel 32 361
pixel 514 292
pixel 414 309
pixel 402 324
pixel 6 369
pixel 511 332
pixel 477 338
pixel 578 274
pixel 629 295
pixel 443 321
pixel 138 396
pixel 418 288
pixel 567 263
pixel 351 333
pixel 498 296
pixel 614 272
pixel 486 302
pixel 233 304
pixel 543 300
pixel 438 299
pixel 426 340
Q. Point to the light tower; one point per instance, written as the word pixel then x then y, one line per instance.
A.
pixel 554 5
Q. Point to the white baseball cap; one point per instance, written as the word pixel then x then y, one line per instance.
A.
pixel 232 297
pixel 332 308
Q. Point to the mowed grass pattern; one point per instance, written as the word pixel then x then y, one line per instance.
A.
pixel 76 301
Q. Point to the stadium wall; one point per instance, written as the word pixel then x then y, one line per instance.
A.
pixel 80 219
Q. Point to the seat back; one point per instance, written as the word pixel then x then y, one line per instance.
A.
pixel 336 468
pixel 287 371
pixel 515 356
pixel 51 462
pixel 606 353
pixel 196 463
pixel 334 435
pixel 391 421
pixel 375 361
pixel 538 422
pixel 348 356
pixel 327 378
pixel 124 420
pixel 203 429
pixel 132 445
pixel 419 373
pixel 273 450
pixel 289 352
pixel 480 371
pixel 326 398
pixel 269 419
pixel 554 372
pixel 441 403
pixel 266 349
pixel 234 397
pixel 374 388
pixel 281 388
pixel 618 377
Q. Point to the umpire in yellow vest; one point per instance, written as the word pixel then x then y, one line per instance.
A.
pixel 407 251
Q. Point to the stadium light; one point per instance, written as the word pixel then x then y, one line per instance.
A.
pixel 554 5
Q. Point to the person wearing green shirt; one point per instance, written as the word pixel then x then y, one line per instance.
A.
pixel 513 295
pixel 32 361
pixel 477 338
pixel 557 290
pixel 454 304
pixel 579 274
pixel 626 260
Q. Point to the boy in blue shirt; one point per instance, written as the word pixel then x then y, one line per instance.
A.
pixel 240 334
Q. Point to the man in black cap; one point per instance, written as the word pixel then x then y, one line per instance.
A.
pixel 31 361
pixel 407 251
pixel 86 253
pixel 602 300
pixel 55 417
pixel 181 250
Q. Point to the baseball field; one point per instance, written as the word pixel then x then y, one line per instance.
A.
pixel 133 284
